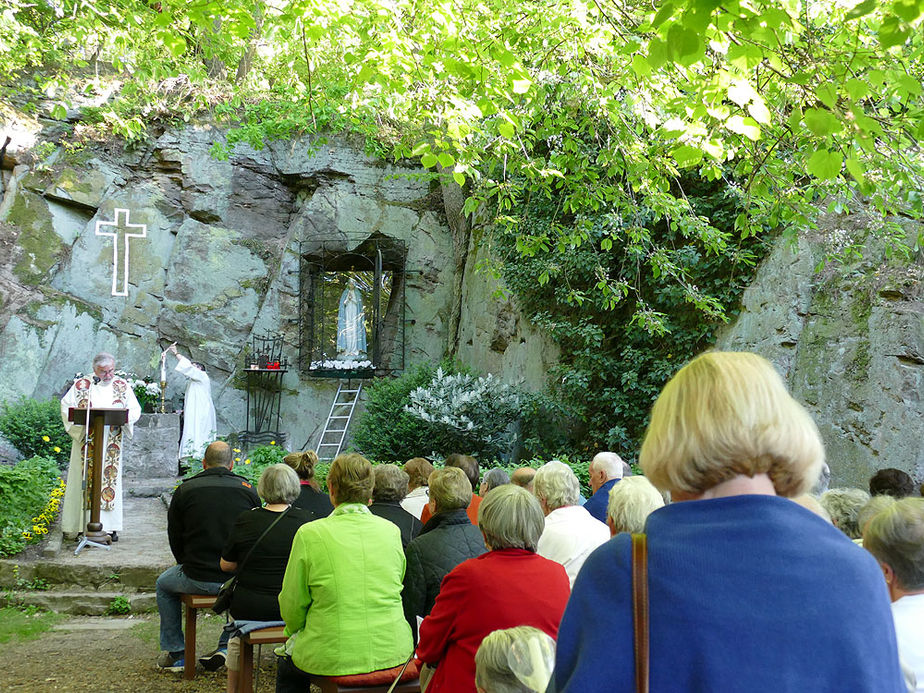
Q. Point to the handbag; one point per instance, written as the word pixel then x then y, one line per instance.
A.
pixel 640 609
pixel 226 591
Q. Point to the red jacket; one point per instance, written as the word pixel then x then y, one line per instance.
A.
pixel 499 589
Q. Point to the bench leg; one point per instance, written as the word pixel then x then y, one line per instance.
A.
pixel 189 639
pixel 245 661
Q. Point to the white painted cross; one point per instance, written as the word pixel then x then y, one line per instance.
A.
pixel 121 229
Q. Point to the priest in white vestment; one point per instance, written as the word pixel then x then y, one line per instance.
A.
pixel 199 427
pixel 104 391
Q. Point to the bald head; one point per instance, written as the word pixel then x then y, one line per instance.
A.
pixel 523 477
pixel 218 454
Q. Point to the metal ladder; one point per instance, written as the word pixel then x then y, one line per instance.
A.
pixel 338 421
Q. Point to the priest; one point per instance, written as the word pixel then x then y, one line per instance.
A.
pixel 104 390
pixel 199 428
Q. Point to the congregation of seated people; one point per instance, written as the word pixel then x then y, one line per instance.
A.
pixel 508 582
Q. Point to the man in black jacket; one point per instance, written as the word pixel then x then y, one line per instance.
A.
pixel 199 521
pixel 446 540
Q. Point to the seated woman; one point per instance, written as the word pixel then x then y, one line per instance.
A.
pixel 341 595
pixel 510 585
pixel 896 538
pixel 747 591
pixel 257 592
pixel 311 498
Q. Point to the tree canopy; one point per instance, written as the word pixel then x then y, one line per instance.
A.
pixel 602 105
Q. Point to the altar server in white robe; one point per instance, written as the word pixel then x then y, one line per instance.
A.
pixel 104 390
pixel 199 428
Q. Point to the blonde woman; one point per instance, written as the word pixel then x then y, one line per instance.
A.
pixel 747 590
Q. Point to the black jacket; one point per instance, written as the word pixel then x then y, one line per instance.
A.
pixel 446 540
pixel 393 512
pixel 199 521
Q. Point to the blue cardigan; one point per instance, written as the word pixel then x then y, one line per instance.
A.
pixel 747 593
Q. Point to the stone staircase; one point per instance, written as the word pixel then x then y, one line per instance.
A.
pixel 94 580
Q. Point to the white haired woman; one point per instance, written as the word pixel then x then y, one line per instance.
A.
pixel 256 597
pixel 630 503
pixel 508 586
pixel 895 537
pixel 747 591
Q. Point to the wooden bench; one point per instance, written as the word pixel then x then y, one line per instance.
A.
pixel 262 636
pixel 193 602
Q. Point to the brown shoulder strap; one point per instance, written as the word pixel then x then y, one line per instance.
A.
pixel 640 609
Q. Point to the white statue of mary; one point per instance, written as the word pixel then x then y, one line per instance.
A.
pixel 351 327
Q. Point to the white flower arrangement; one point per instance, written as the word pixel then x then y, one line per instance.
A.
pixel 338 365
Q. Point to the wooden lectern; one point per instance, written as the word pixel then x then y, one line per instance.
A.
pixel 99 418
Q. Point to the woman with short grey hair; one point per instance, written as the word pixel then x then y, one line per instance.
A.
pixel 256 595
pixel 387 493
pixel 511 521
pixel 630 503
pixel 492 479
pixel 895 537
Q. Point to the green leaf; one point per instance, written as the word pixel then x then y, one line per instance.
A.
pixel 827 94
pixel 744 126
pixel 665 13
pixel 856 168
pixel 759 111
pixel 824 164
pixel 420 149
pixel 446 159
pixel 657 53
pixel 58 112
pixel 909 10
pixel 521 86
pixel 687 156
pixel 821 122
pixel 505 129
pixel 857 89
pixel 428 160
pixel 459 179
pixel 893 32
pixel 862 9
pixel 683 43
pixel 640 66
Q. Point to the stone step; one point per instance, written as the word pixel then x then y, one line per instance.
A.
pixel 80 603
pixel 68 573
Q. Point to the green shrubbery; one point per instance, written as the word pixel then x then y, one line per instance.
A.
pixel 35 428
pixel 30 491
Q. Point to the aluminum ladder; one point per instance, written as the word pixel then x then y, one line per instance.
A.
pixel 338 421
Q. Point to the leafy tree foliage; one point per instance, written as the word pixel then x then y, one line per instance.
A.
pixel 601 106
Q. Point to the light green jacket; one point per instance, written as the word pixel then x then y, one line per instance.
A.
pixel 341 595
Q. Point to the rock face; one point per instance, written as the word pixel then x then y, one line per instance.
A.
pixel 224 259
pixel 849 340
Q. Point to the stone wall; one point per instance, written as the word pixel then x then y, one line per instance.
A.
pixel 850 341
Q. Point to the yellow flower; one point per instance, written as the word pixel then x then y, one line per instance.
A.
pixel 247 461
pixel 237 449
pixel 272 442
pixel 56 448
pixel 237 459
pixel 46 439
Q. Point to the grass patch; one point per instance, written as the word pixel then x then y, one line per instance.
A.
pixel 25 624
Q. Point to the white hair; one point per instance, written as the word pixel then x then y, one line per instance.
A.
pixel 608 462
pixel 630 503
pixel 557 485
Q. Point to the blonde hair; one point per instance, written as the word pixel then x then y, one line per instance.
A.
pixel 450 489
pixel 630 503
pixel 726 414
pixel 303 463
pixel 350 479
pixel 419 470
pixel 895 536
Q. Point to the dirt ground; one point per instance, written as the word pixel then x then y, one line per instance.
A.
pixel 111 655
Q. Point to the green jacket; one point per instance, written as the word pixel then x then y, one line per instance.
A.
pixel 341 595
